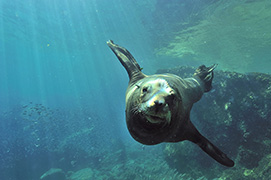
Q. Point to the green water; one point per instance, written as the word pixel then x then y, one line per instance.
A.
pixel 62 90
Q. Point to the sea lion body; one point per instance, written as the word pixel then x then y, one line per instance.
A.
pixel 158 106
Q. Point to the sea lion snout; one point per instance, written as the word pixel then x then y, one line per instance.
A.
pixel 157 104
pixel 157 101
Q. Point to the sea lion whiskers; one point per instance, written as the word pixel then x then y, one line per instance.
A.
pixel 135 110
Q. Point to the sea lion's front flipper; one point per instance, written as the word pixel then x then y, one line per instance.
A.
pixel 194 136
pixel 127 60
pixel 206 75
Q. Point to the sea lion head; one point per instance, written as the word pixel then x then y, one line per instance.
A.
pixel 153 107
pixel 156 100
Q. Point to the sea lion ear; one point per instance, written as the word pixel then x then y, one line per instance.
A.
pixel 194 136
pixel 127 60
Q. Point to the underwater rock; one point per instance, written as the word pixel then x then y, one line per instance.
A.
pixel 263 171
pixel 33 140
pixel 83 174
pixel 54 174
pixel 235 115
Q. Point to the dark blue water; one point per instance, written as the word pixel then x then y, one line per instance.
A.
pixel 62 91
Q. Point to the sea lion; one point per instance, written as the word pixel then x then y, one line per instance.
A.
pixel 158 106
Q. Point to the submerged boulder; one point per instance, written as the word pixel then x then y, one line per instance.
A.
pixel 235 115
pixel 83 174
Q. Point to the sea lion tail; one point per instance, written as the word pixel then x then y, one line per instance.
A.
pixel 195 136
pixel 127 60
pixel 206 75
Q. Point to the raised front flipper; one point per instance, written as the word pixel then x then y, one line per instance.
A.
pixel 194 136
pixel 206 75
pixel 127 60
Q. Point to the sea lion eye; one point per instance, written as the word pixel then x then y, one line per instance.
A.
pixel 145 89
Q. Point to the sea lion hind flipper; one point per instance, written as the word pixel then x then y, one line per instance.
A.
pixel 214 152
pixel 208 147
pixel 126 59
pixel 206 75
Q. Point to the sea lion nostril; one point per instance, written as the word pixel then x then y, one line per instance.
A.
pixel 158 103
